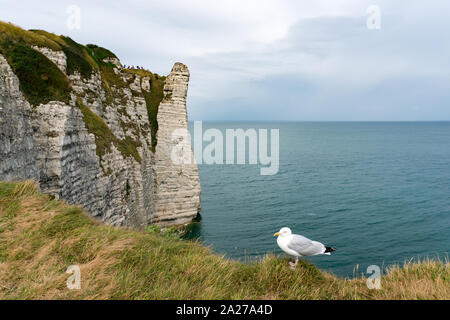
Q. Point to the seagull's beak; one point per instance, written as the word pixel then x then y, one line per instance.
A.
pixel 276 234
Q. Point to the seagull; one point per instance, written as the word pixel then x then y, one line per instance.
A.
pixel 299 246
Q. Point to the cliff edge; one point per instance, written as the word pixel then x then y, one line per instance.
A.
pixel 92 132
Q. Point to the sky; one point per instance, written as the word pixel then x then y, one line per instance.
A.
pixel 322 60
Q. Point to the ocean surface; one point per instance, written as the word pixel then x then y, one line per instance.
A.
pixel 377 191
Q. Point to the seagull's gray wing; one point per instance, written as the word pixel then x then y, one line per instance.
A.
pixel 305 246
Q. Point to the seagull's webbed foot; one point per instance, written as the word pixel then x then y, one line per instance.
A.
pixel 293 265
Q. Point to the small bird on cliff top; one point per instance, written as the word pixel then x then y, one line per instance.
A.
pixel 299 246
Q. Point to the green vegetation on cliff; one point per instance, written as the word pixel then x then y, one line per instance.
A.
pixel 77 58
pixel 40 79
pixel 41 237
pixel 84 59
pixel 152 99
pixel 11 32
pixel 104 138
pixel 98 53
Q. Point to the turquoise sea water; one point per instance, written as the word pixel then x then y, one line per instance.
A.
pixel 378 192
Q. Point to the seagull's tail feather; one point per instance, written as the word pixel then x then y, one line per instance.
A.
pixel 328 250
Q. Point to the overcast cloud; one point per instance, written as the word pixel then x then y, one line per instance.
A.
pixel 275 60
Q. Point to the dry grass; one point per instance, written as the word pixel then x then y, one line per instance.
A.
pixel 9 31
pixel 41 237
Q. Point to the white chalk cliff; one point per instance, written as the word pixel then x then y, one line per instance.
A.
pixel 53 144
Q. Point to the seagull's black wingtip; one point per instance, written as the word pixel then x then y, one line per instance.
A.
pixel 329 249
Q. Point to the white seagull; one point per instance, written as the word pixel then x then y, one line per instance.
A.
pixel 299 246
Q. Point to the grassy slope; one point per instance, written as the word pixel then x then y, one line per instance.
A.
pixel 40 80
pixel 41 237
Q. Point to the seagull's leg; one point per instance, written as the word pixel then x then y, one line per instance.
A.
pixel 293 265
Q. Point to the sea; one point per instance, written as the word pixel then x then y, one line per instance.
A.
pixel 379 192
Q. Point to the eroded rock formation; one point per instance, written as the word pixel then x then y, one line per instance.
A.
pixel 97 149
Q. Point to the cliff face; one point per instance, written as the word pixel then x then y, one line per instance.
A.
pixel 106 144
